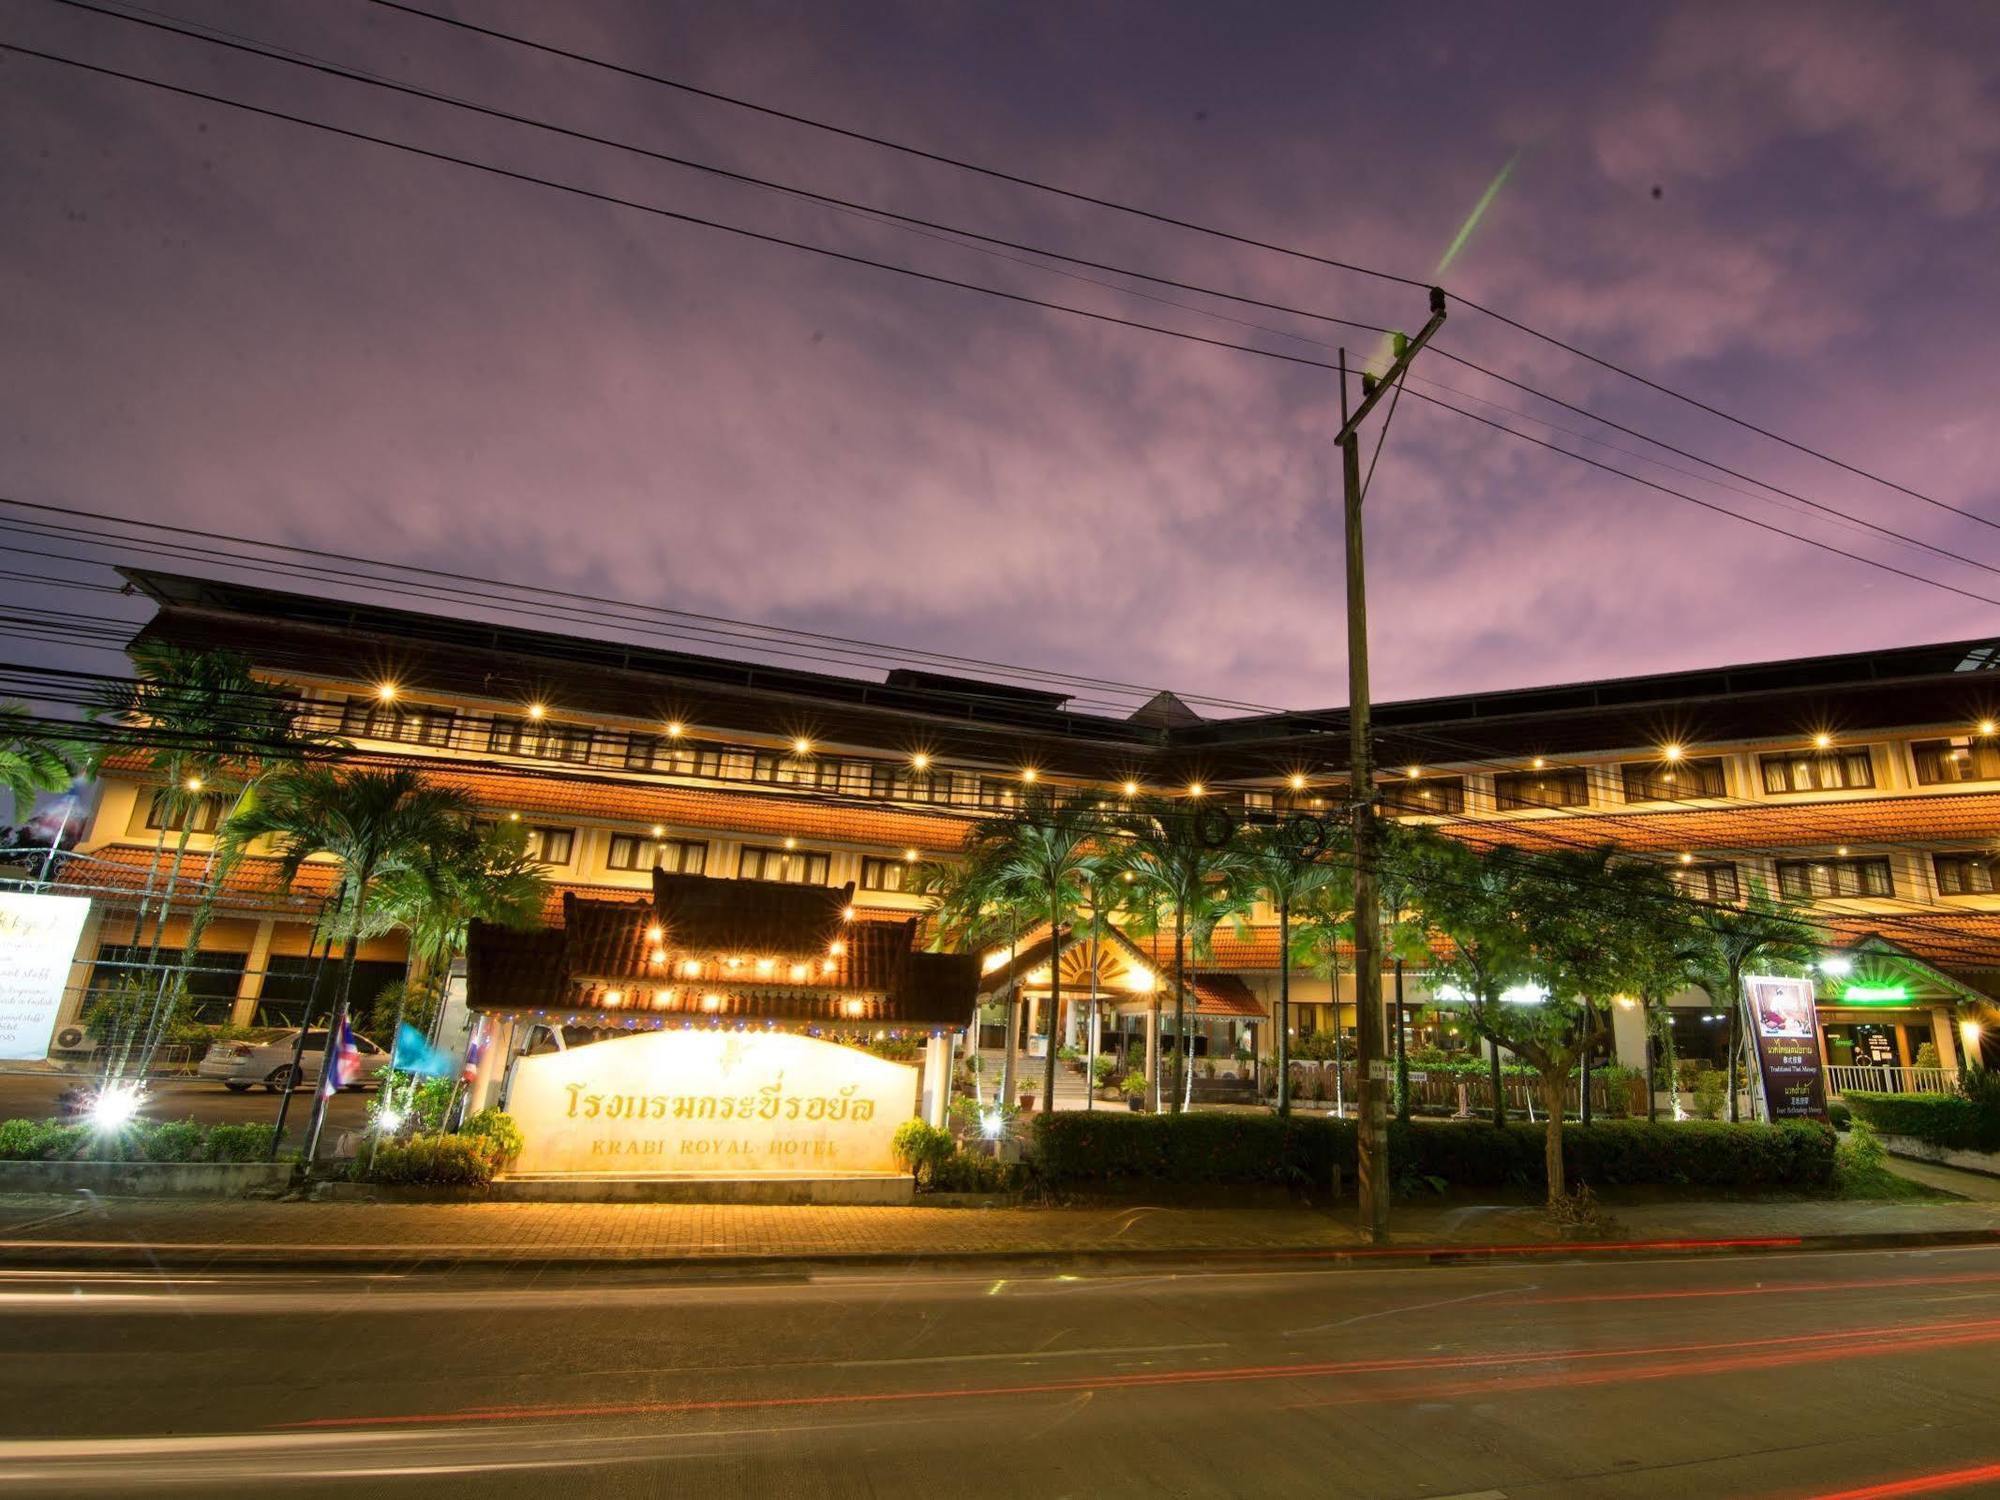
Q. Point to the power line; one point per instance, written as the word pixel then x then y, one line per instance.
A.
pixel 616 201
pixel 961 164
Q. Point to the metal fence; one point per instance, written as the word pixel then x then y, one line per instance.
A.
pixel 1845 1078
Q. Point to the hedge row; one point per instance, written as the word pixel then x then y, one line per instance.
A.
pixel 1950 1121
pixel 1096 1148
pixel 140 1140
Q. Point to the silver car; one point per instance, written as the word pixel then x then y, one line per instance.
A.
pixel 268 1060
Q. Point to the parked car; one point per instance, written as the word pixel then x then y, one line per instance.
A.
pixel 268 1060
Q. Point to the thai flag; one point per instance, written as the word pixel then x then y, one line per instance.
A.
pixel 345 1066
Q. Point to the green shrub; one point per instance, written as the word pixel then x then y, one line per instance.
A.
pixel 1927 1055
pixel 1711 1085
pixel 434 1161
pixel 497 1128
pixel 1132 1086
pixel 1084 1149
pixel 141 1140
pixel 921 1147
pixel 1100 1069
pixel 1839 1115
pixel 239 1142
pixel 1952 1122
pixel 173 1140
pixel 975 1172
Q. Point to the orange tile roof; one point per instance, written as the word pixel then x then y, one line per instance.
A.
pixel 1944 817
pixel 1224 995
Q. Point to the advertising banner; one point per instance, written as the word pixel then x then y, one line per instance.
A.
pixel 710 1103
pixel 37 944
pixel 1785 1023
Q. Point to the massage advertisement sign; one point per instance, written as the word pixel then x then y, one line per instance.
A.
pixel 710 1103
pixel 1786 1027
pixel 37 943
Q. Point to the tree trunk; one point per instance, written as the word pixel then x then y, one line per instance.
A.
pixel 1499 1088
pixel 322 1094
pixel 1652 1060
pixel 1055 1006
pixel 1090 1036
pixel 1180 1000
pixel 1339 1059
pixel 1402 1053
pixel 1013 1028
pixel 1583 1063
pixel 1284 1008
pixel 1554 1086
pixel 1735 1040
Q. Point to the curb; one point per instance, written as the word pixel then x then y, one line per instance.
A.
pixel 104 1255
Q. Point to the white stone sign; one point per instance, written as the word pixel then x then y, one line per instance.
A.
pixel 710 1103
pixel 37 945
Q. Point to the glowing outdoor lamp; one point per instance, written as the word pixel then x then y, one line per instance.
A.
pixel 114 1105
pixel 386 692
pixel 1836 965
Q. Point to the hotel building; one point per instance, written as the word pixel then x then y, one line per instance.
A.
pixel 1867 785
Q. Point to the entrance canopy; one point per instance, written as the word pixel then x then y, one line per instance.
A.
pixel 1127 975
pixel 722 951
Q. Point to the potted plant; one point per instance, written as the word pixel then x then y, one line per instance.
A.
pixel 1100 1071
pixel 1134 1089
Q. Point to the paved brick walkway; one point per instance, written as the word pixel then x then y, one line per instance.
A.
pixel 498 1233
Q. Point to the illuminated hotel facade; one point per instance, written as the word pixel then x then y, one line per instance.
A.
pixel 1867 785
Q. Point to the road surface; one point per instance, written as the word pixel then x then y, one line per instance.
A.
pixel 33 1096
pixel 1773 1375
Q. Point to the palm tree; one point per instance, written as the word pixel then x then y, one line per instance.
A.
pixel 1324 921
pixel 973 902
pixel 374 825
pixel 1042 854
pixel 1105 897
pixel 479 874
pixel 1175 867
pixel 207 728
pixel 31 760
pixel 1283 873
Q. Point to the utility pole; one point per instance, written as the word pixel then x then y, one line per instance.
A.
pixel 1372 1074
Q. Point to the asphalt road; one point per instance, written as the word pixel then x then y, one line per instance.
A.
pixel 1782 1376
pixel 33 1096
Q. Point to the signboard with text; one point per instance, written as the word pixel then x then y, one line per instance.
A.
pixel 37 944
pixel 1785 1024
pixel 710 1103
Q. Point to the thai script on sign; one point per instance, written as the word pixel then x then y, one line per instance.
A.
pixel 767 1103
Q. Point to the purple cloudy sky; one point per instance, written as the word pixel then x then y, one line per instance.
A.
pixel 220 320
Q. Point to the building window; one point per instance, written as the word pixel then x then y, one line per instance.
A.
pixel 1967 874
pixel 371 719
pixel 996 793
pixel 792 866
pixel 924 786
pixel 1707 882
pixel 1813 772
pixel 640 751
pixel 884 874
pixel 1825 879
pixel 1946 762
pixel 566 742
pixel 1671 780
pixel 857 778
pixel 505 736
pixel 430 725
pixel 170 811
pixel 675 856
pixel 550 846
pixel 1441 796
pixel 1513 790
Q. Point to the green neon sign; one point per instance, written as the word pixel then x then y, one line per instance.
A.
pixel 1875 994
